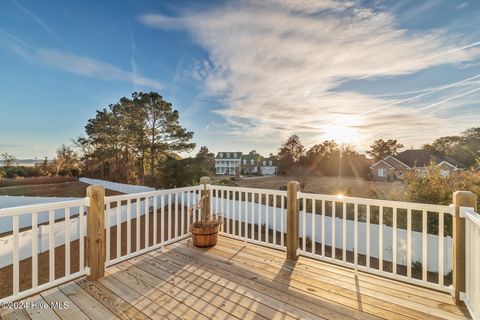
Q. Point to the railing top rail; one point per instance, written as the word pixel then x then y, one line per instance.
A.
pixel 470 214
pixel 381 203
pixel 160 192
pixel 255 190
pixel 6 212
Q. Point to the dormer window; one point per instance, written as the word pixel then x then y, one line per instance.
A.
pixel 270 162
pixel 252 162
pixel 228 155
pixel 220 155
pixel 244 161
pixel 234 155
pixel 264 163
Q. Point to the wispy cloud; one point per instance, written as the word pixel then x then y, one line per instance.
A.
pixel 277 67
pixel 42 23
pixel 76 64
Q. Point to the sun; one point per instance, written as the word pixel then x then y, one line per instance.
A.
pixel 342 131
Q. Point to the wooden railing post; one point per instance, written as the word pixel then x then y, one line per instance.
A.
pixel 460 199
pixel 206 202
pixel 96 232
pixel 292 220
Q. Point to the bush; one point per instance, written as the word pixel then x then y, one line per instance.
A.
pixel 34 181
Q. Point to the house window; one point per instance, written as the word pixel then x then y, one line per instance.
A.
pixel 252 162
pixel 270 162
pixel 382 172
pixel 220 155
pixel 234 155
pixel 264 163
pixel 228 155
pixel 244 161
pixel 444 173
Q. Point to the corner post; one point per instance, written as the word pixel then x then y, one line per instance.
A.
pixel 292 220
pixel 96 232
pixel 460 199
pixel 206 202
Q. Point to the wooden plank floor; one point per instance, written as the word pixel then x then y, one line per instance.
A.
pixel 235 280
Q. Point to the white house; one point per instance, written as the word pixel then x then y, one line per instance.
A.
pixel 228 163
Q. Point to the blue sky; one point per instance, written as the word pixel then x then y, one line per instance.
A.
pixel 243 74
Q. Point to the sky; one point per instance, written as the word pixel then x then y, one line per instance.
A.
pixel 243 74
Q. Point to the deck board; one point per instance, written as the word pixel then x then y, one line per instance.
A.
pixel 235 280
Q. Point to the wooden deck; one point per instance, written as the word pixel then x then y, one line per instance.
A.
pixel 236 280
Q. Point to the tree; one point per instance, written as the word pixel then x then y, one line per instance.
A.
pixel 130 138
pixel 464 148
pixel 207 158
pixel 291 153
pixel 381 148
pixel 8 159
pixel 66 162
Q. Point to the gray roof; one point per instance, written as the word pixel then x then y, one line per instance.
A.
pixel 229 155
pixel 422 158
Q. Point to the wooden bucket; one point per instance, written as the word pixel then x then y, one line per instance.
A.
pixel 205 237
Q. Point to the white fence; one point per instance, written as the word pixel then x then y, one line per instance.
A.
pixel 120 187
pixel 471 297
pixel 37 237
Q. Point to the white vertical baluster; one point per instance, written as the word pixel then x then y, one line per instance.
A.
pixel 274 219
pixel 15 257
pixel 394 242
pixel 147 221
pixel 199 198
pixel 81 218
pixel 440 248
pixel 234 213
pixel 355 234
pixel 35 249
pixel 409 243
pixel 222 192
pixel 67 241
pixel 107 226
pixel 344 233
pixel 267 217
pixel 176 214
pixel 169 225
pixel 380 239
pixel 259 217
pixel 304 226
pixel 334 248
pixel 129 226
pixel 282 217
pixel 137 248
pixel 367 263
pixel 182 212
pixel 51 244
pixel 119 229
pixel 228 211
pixel 314 225
pixel 252 205
pixel 475 264
pixel 323 227
pixel 162 218
pixel 424 246
pixel 155 219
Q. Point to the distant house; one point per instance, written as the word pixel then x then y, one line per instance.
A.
pixel 268 166
pixel 236 163
pixel 228 163
pixel 393 167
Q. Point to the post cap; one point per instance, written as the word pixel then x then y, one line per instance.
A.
pixel 294 184
pixel 205 180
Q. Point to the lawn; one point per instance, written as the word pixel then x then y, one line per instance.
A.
pixel 354 187
pixel 65 189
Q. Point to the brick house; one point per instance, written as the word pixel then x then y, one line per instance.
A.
pixel 392 168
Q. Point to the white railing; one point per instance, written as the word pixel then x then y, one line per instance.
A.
pixel 120 187
pixel 250 214
pixel 46 228
pixel 402 240
pixel 141 222
pixel 471 296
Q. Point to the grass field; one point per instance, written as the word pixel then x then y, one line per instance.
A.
pixel 354 187
pixel 66 189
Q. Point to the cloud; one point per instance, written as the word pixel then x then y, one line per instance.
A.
pixel 276 67
pixel 76 64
